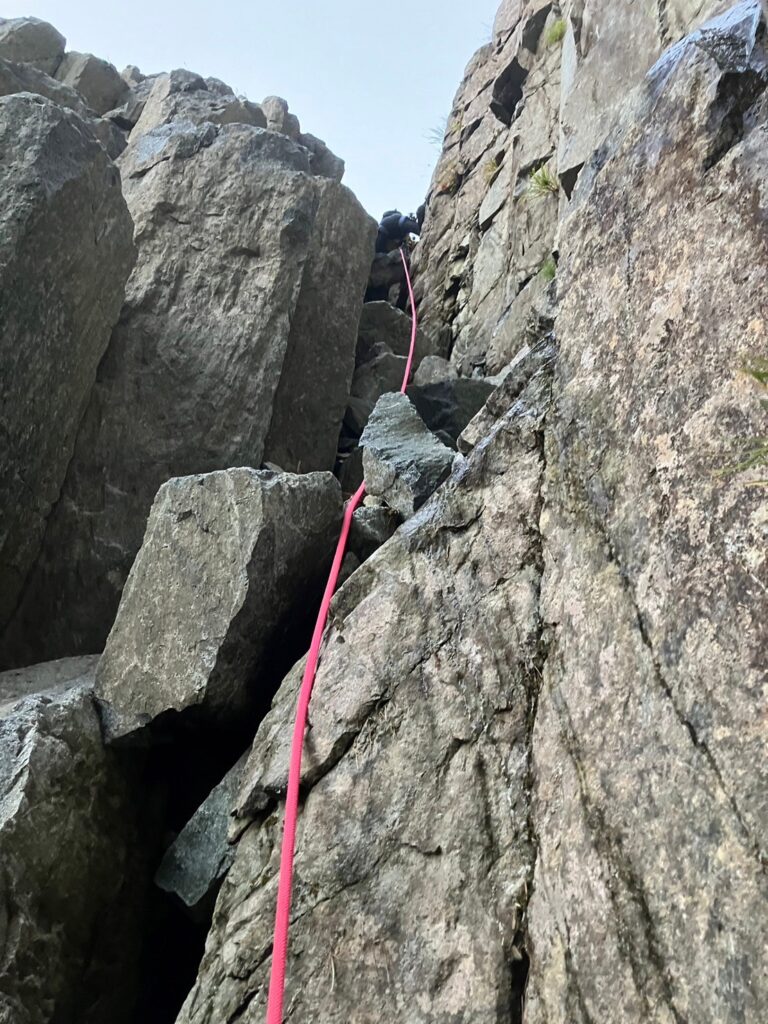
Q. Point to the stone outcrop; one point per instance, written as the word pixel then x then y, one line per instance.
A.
pixel 61 195
pixel 238 298
pixel 69 853
pixel 182 95
pixel 225 559
pixel 535 765
pixel 534 103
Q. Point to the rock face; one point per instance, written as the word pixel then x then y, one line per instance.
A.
pixel 61 195
pixel 411 870
pixel 535 778
pixel 31 41
pixel 224 560
pixel 69 942
pixel 648 757
pixel 403 461
pixel 212 347
pixel 539 95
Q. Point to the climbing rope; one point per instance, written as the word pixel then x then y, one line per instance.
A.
pixel 285 885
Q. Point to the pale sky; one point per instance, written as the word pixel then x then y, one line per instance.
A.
pixel 372 80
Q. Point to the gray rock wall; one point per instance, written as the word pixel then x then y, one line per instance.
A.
pixel 66 252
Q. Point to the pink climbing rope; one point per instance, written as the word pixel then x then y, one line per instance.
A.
pixel 285 885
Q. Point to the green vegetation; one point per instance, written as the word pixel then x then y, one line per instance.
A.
pixel 437 134
pixel 491 168
pixel 548 269
pixel 450 179
pixel 541 183
pixel 756 455
pixel 555 32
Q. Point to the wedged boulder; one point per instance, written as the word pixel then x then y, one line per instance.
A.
pixel 433 370
pixel 183 95
pixel 66 251
pixel 225 226
pixel 31 41
pixel 382 374
pixel 127 114
pixel 68 847
pixel 413 852
pixel 198 859
pixel 50 678
pixel 371 527
pixel 403 461
pixel 225 558
pixel 382 326
pixel 448 405
pixel 386 272
pixel 96 80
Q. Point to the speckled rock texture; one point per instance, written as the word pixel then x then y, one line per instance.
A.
pixel 225 559
pixel 66 252
pixel 235 344
pixel 536 772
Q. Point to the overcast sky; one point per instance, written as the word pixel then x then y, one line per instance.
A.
pixel 372 80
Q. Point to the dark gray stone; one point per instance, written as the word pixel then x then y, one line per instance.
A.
pixel 31 41
pixel 224 559
pixel 72 865
pixel 66 250
pixel 200 856
pixel 403 461
pixel 447 406
pixel 372 527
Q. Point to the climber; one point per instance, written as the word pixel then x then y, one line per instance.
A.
pixel 394 228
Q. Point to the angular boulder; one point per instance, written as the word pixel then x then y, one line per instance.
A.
pixel 16 78
pixel 371 527
pixel 433 370
pixel 384 325
pixel 403 461
pixel 198 859
pixel 31 41
pixel 66 251
pixel 69 853
pixel 97 81
pixel 322 161
pixel 225 558
pixel 225 226
pixel 279 119
pixel 448 405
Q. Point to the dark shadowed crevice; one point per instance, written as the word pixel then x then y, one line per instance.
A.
pixel 508 91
